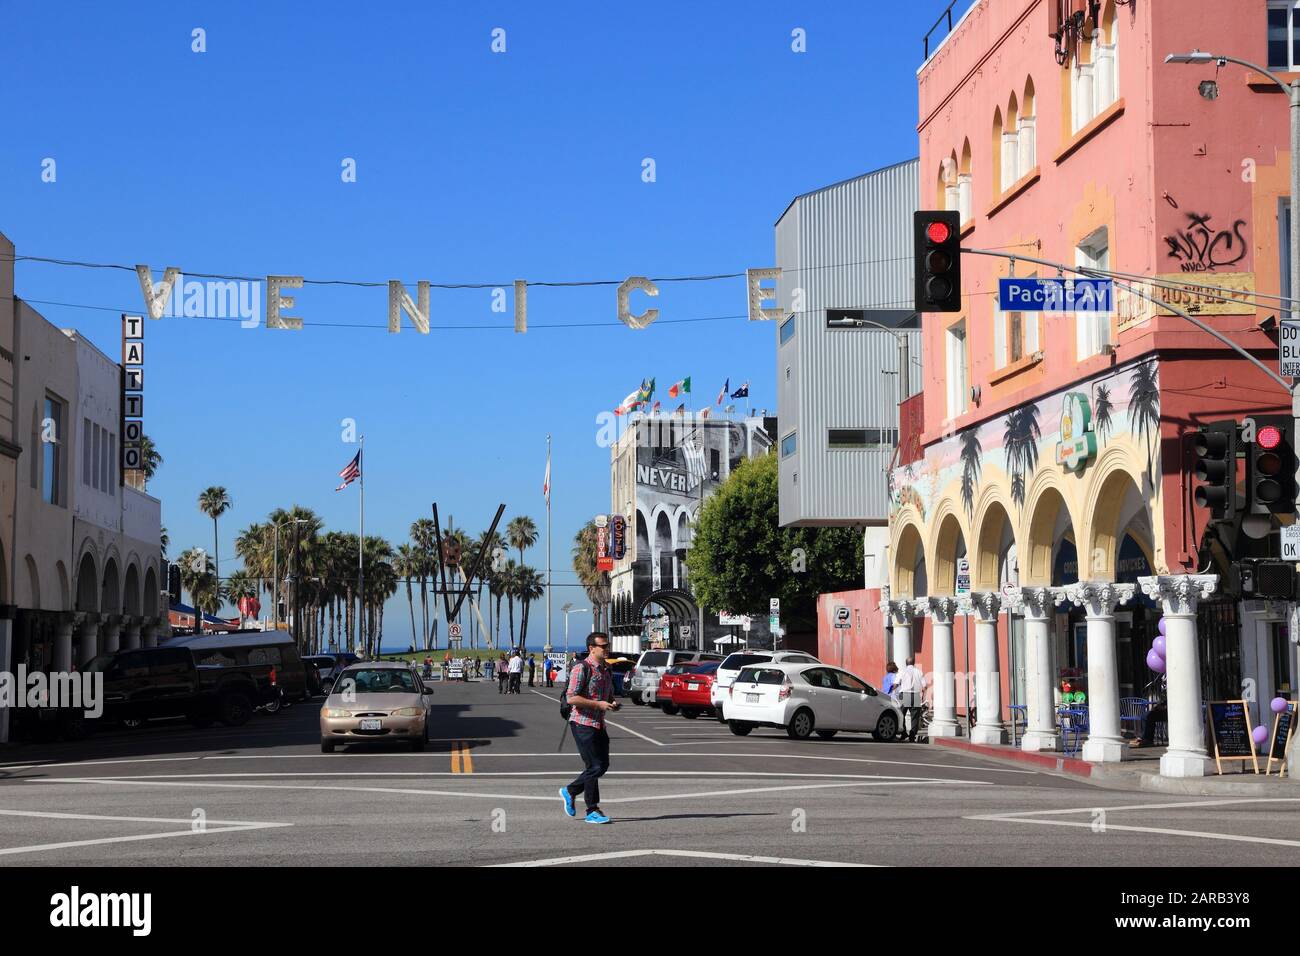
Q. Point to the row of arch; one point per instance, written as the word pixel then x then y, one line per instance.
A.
pixel 104 583
pixel 1002 549
pixel 672 531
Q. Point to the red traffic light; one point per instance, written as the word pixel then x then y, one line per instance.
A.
pixel 1270 436
pixel 938 232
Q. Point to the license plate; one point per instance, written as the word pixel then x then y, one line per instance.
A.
pixel 692 686
pixel 372 724
pixel 751 698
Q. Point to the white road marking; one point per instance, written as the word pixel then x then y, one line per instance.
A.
pixel 1023 815
pixel 92 763
pixel 614 724
pixel 118 781
pixel 694 854
pixel 808 786
pixel 212 827
pixel 500 773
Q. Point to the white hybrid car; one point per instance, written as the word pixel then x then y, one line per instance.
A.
pixel 736 661
pixel 807 699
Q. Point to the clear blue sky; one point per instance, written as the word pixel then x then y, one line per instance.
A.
pixel 471 166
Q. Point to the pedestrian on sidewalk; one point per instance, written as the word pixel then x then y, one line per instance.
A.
pixel 489 669
pixel 516 671
pixel 911 685
pixel 532 668
pixel 590 693
pixel 891 679
pixel 503 674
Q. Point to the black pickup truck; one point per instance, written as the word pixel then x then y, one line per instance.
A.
pixel 165 682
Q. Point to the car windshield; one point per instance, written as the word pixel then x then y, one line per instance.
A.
pixel 760 675
pixel 382 681
pixel 735 662
pixel 653 659
pixel 708 667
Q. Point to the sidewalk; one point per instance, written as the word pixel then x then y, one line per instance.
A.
pixel 1140 770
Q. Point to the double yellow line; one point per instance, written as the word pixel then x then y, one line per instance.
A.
pixel 461 761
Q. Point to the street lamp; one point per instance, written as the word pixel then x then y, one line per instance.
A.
pixel 275 573
pixel 568 609
pixel 1293 91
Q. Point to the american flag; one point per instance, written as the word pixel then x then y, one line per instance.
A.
pixel 351 473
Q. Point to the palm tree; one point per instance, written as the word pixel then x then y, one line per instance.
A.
pixel 510 588
pixel 970 466
pixel 164 541
pixel 1104 406
pixel 1020 442
pixel 198 577
pixel 521 532
pixel 241 584
pixel 150 458
pixel 531 587
pixel 214 502
pixel 1144 408
pixel 584 563
pixel 422 536
pixel 407 565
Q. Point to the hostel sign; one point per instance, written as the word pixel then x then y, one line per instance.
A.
pixel 1078 444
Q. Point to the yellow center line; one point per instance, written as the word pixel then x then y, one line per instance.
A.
pixel 455 758
pixel 468 760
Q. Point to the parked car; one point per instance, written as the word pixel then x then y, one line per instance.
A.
pixel 737 660
pixel 804 699
pixel 691 691
pixel 327 667
pixel 670 680
pixel 389 701
pixel 241 648
pixel 651 665
pixel 153 682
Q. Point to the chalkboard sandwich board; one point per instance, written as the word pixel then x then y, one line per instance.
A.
pixel 1282 739
pixel 1229 722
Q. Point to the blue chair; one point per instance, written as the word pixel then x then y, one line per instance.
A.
pixel 1019 715
pixel 1133 713
pixel 1074 727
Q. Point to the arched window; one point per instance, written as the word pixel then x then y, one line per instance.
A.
pixel 1094 73
pixel 1011 146
pixel 1028 132
pixel 947 185
pixel 964 203
pixel 998 152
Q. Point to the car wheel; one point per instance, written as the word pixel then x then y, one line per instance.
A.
pixel 801 724
pixel 739 728
pixel 235 709
pixel 274 706
pixel 826 734
pixel 637 699
pixel 669 708
pixel 887 727
pixel 718 712
pixel 327 746
pixel 690 714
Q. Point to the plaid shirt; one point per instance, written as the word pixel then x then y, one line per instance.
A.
pixel 599 686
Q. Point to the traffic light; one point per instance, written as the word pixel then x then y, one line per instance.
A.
pixel 1271 467
pixel 937 261
pixel 174 583
pixel 1216 466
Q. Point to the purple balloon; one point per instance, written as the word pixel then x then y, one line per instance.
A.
pixel 1278 704
pixel 1259 734
pixel 1158 645
pixel 1155 661
pixel 1161 627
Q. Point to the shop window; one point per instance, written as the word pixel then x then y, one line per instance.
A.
pixel 1283 41
pixel 1093 328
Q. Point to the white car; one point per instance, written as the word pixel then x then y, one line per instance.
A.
pixel 804 699
pixel 733 664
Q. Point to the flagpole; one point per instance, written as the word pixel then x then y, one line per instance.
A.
pixel 361 545
pixel 548 543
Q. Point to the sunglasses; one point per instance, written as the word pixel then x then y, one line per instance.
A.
pixel 604 646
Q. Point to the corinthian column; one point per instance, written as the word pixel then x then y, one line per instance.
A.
pixel 1037 605
pixel 1098 599
pixel 942 610
pixel 1178 594
pixel 989 728
pixel 901 611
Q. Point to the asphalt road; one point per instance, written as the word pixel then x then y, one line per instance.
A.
pixel 680 792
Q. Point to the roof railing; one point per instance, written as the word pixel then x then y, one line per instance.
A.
pixel 947 14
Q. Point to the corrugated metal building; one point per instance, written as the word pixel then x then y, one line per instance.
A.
pixel 845 253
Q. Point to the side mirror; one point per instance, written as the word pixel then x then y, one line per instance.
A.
pixel 428 688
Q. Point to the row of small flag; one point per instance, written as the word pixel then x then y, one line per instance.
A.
pixel 640 399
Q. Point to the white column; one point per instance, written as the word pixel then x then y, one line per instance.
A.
pixel 1028 154
pixel 112 632
pixel 6 662
pixel 1010 157
pixel 1104 78
pixel 131 636
pixel 1037 604
pixel 149 634
pixel 1178 594
pixel 88 642
pixel 989 728
pixel 1105 744
pixel 942 610
pixel 964 198
pixel 63 643
pixel 901 611
pixel 1083 92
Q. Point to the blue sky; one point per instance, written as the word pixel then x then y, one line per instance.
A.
pixel 471 167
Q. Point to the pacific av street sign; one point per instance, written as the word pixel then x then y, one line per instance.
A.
pixel 1056 295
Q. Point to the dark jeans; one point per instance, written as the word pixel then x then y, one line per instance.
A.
pixel 593 746
pixel 1160 712
pixel 514 682
pixel 501 682
pixel 530 676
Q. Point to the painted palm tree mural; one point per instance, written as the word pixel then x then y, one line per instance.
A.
pixel 1020 442
pixel 1102 409
pixel 1144 410
pixel 970 455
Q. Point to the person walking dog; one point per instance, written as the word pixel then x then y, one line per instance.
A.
pixel 590 695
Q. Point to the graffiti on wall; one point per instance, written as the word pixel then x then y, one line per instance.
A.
pixel 1200 246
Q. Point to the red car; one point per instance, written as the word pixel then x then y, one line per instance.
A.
pixel 690 690
pixel 664 690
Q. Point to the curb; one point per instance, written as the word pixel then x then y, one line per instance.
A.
pixel 1108 777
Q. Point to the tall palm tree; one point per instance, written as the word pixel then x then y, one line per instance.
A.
pixel 521 532
pixel 150 458
pixel 199 578
pixel 407 565
pixel 214 502
pixel 422 536
pixel 510 581
pixel 584 564
pixel 532 587
pixel 241 584
pixel 164 541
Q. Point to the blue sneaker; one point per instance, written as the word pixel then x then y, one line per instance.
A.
pixel 595 816
pixel 568 802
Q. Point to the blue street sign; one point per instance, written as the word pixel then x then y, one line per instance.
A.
pixel 1056 295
